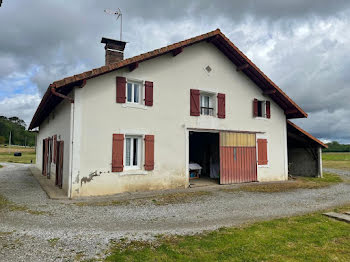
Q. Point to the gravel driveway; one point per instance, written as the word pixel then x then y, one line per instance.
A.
pixel 65 231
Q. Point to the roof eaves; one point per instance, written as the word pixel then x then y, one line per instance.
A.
pixel 307 134
pixel 262 74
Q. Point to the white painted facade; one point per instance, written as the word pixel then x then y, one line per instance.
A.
pixel 58 123
pixel 96 117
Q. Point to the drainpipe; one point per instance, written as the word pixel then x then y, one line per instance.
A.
pixel 71 151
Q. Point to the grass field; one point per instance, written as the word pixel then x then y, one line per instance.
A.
pixel 304 238
pixel 336 160
pixel 28 154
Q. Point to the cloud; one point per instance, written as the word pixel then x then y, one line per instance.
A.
pixel 20 105
pixel 303 46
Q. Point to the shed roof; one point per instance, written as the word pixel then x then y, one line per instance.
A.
pixel 301 132
pixel 216 37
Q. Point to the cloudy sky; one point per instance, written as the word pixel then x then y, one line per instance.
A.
pixel 303 46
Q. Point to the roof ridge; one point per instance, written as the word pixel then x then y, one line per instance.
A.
pixel 64 81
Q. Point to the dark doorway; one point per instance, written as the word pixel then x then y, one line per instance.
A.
pixel 204 151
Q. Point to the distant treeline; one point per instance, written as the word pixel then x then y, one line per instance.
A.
pixel 336 147
pixel 19 135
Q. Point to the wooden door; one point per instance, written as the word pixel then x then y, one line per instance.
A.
pixel 237 158
pixel 49 157
pixel 59 163
pixel 45 156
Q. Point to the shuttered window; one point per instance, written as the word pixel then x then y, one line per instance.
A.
pixel 255 107
pixel 268 110
pixel 148 93
pixel 117 152
pixel 262 152
pixel 132 154
pixel 149 152
pixel 121 86
pixel 261 109
pixel 194 102
pixel 221 106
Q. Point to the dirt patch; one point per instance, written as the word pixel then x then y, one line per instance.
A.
pixel 161 200
pixel 10 206
pixel 16 149
pixel 178 198
pixel 293 184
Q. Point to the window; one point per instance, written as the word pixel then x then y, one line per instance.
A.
pixel 133 92
pixel 261 108
pixel 132 152
pixel 207 104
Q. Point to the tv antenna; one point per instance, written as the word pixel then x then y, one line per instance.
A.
pixel 117 13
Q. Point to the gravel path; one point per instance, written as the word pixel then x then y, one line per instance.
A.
pixel 65 231
pixel 337 171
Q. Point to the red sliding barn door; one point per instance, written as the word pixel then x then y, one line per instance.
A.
pixel 237 158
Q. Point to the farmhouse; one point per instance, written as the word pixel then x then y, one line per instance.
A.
pixel 188 112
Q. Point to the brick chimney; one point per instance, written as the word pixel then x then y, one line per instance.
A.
pixel 114 50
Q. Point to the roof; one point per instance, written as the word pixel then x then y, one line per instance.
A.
pixel 292 110
pixel 296 129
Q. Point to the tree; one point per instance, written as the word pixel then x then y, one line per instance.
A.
pixel 2 140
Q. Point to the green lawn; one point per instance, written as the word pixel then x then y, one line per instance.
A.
pixel 28 154
pixel 25 158
pixel 304 238
pixel 336 160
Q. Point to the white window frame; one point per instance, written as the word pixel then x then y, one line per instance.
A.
pixel 262 136
pixel 141 87
pixel 139 153
pixel 212 102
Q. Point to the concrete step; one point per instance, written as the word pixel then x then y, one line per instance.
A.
pixel 348 213
pixel 338 216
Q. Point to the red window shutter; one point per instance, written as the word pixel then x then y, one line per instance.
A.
pixel 117 153
pixel 221 105
pixel 149 152
pixel 54 149
pixel 148 93
pixel 268 110
pixel 194 102
pixel 121 89
pixel 262 152
pixel 255 107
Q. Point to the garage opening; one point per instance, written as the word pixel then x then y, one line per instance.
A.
pixel 204 158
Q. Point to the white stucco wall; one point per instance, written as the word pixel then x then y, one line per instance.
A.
pixel 58 123
pixel 169 120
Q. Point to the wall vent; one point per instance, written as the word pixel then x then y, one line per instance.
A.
pixel 208 69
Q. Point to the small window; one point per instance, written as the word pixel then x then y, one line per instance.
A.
pixel 132 152
pixel 133 92
pixel 262 109
pixel 207 107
